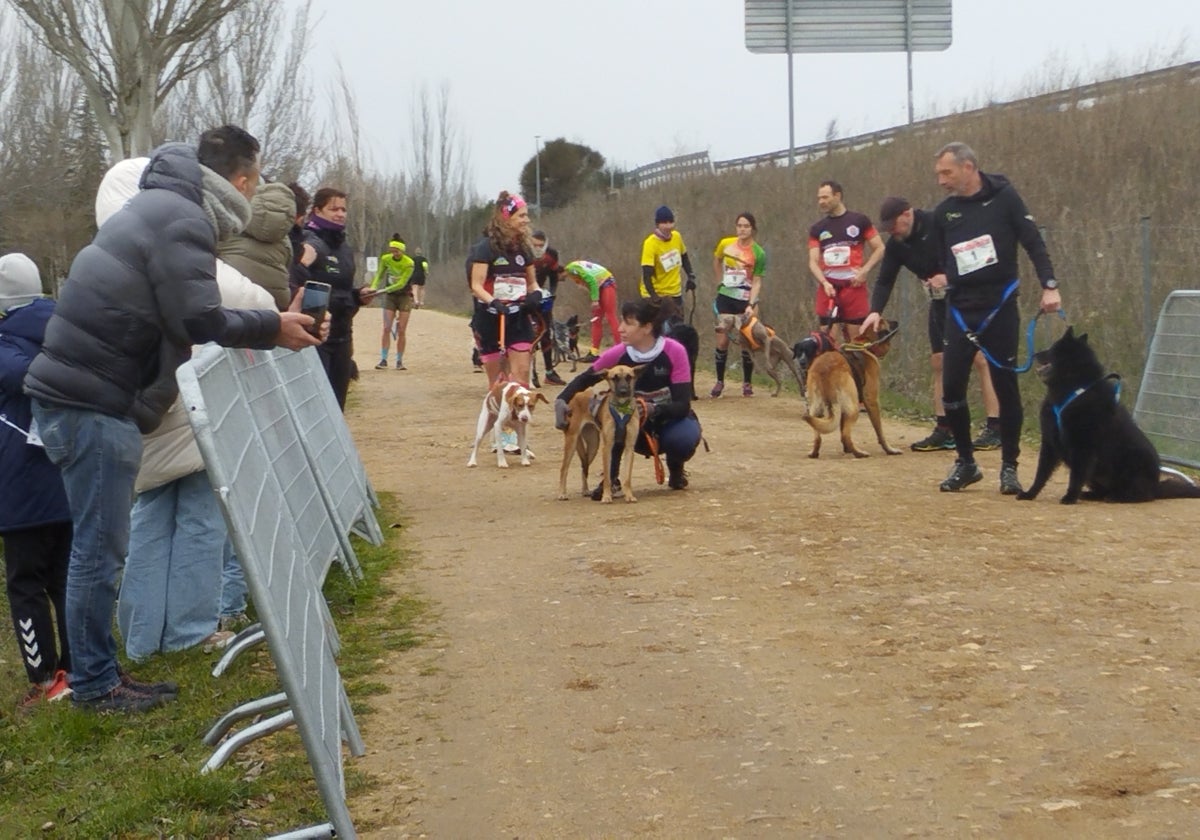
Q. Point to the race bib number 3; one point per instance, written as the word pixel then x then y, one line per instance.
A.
pixel 671 260
pixel 974 254
pixel 508 288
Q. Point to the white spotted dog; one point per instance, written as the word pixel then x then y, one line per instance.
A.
pixel 507 405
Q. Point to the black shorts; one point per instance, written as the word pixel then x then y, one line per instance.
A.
pixel 518 329
pixel 937 325
pixel 726 305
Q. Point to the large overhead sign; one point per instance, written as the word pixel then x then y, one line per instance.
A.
pixel 831 26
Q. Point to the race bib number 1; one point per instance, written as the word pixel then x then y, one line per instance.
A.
pixel 974 254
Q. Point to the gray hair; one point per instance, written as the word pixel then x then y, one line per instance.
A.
pixel 961 151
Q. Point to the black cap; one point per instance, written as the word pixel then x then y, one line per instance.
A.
pixel 890 210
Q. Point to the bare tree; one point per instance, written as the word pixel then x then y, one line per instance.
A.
pixel 257 79
pixel 421 197
pixel 129 54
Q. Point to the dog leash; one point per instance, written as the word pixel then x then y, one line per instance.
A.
pixel 973 335
pixel 652 444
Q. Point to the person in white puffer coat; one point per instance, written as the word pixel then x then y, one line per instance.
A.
pixel 171 589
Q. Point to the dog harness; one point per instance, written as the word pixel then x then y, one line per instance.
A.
pixel 1078 392
pixel 747 332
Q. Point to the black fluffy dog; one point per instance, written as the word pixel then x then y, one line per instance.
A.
pixel 1086 427
pixel 684 333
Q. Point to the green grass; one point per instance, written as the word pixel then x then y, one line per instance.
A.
pixel 65 773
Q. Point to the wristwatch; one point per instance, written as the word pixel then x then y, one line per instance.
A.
pixel 1051 284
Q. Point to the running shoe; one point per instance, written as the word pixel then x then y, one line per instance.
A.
pixel 747 389
pixel 940 438
pixel 964 474
pixel 554 379
pixel 382 365
pixel 1010 485
pixel 989 438
pixel 717 390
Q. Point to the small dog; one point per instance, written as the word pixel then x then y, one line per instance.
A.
pixel 506 405
pixel 582 437
pixel 1085 426
pixel 760 340
pixel 836 383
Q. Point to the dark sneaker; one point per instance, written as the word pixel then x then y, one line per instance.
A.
pixel 988 439
pixel 122 699
pixel 400 366
pixel 589 358
pixel 554 379
pixel 598 493
pixel 158 689
pixel 747 389
pixel 677 476
pixel 964 474
pixel 940 438
pixel 382 365
pixel 1010 485
pixel 717 390
pixel 477 369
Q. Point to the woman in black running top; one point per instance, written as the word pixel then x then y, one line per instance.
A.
pixel 500 272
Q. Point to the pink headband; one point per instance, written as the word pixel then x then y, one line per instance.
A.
pixel 511 205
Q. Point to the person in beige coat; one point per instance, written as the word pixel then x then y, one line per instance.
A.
pixel 170 592
pixel 263 251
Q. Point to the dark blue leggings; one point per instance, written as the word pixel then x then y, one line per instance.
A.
pixel 1001 338
pixel 677 442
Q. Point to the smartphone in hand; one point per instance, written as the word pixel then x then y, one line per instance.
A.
pixel 315 303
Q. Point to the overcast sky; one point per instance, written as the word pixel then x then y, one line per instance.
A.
pixel 640 80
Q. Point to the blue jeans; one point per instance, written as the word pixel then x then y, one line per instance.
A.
pixel 233 584
pixel 171 590
pixel 99 457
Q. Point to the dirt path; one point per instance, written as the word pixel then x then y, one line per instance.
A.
pixel 789 648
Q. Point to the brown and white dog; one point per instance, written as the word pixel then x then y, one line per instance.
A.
pixel 507 405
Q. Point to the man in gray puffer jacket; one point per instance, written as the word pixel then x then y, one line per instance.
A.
pixel 135 301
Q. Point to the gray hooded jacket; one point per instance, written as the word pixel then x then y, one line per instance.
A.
pixel 138 297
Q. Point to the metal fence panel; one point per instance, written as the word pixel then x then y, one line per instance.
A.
pixel 327 441
pixel 267 537
pixel 1168 403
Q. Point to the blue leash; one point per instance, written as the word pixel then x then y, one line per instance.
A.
pixel 973 335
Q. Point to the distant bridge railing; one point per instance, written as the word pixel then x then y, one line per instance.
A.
pixel 1083 96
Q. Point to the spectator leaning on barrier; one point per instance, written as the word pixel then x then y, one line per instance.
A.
pixel 35 522
pixel 135 301
pixel 263 251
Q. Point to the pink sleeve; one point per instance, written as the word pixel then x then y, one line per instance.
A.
pixel 610 357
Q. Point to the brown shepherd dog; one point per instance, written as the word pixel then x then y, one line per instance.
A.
pixel 838 380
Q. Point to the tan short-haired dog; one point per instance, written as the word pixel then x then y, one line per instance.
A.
pixel 837 380
pixel 618 416
pixel 760 340
pixel 506 405
pixel 581 437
